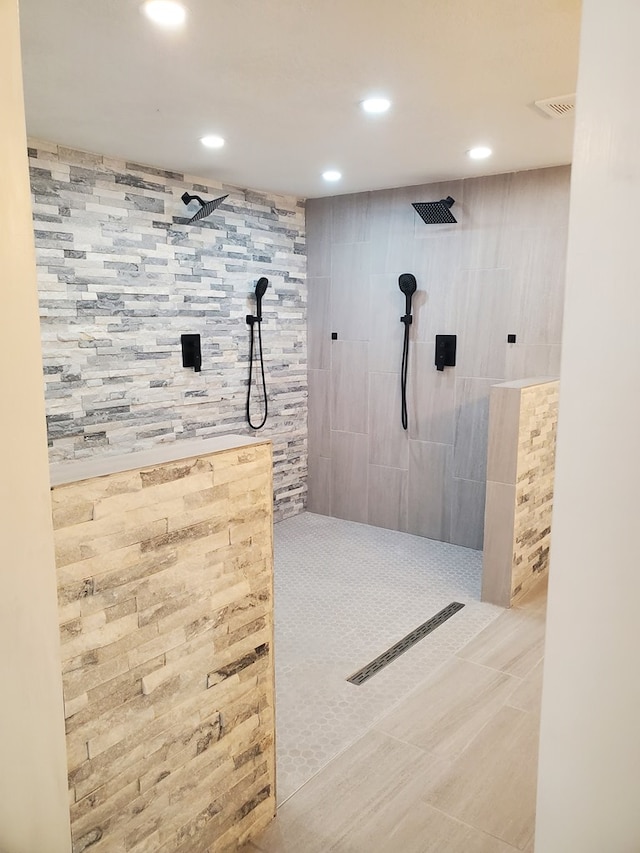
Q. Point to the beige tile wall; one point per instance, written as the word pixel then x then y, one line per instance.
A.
pixel 499 270
pixel 165 603
pixel 520 473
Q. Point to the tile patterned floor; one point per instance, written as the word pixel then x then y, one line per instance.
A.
pixel 451 769
pixel 344 593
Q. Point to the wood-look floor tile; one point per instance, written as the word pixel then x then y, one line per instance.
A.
pixel 445 715
pixel 528 695
pixel 534 603
pixel 412 827
pixel 492 785
pixel 352 794
pixel 513 643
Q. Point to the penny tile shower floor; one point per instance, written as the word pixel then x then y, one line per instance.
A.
pixel 344 593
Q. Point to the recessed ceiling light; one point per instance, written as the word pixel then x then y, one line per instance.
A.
pixel 166 13
pixel 376 105
pixel 331 175
pixel 212 141
pixel 480 153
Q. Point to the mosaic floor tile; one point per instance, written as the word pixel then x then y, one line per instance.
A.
pixel 344 593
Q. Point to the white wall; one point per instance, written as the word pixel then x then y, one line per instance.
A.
pixel 33 799
pixel 590 737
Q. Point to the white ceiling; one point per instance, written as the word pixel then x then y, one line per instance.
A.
pixel 281 80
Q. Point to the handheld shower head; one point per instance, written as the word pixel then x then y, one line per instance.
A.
pixel 435 212
pixel 408 285
pixel 206 207
pixel 261 289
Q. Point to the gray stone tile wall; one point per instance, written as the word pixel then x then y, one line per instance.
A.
pixel 121 275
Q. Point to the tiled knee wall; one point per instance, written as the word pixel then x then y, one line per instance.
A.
pixel 121 276
pixel 520 475
pixel 165 601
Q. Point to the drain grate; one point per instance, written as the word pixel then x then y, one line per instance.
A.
pixel 405 643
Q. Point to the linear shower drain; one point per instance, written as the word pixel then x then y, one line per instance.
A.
pixel 405 643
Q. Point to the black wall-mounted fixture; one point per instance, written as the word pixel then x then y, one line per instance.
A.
pixel 206 207
pixel 252 322
pixel 191 352
pixel 408 286
pixel 435 212
pixel 511 339
pixel 445 351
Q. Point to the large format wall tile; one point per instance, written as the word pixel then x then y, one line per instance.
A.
pixel 319 221
pixel 467 513
pixel 388 441
pixel 386 307
pixel 499 270
pixel 392 230
pixel 538 198
pixel 122 275
pixel 431 396
pixel 530 360
pixel 350 267
pixel 319 323
pixel 349 391
pixel 435 266
pixel 471 436
pixel 482 309
pixel 497 564
pixel 429 510
pixel 319 491
pixel 388 491
pixel 319 412
pixel 349 476
pixel 538 265
pixel 351 222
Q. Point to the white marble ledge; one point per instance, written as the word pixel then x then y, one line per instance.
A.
pixel 526 383
pixel 61 473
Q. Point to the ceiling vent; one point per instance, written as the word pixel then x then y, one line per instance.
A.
pixel 562 105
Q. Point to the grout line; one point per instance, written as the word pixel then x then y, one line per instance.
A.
pixel 474 828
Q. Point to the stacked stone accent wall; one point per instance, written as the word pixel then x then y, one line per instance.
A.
pixel 165 603
pixel 520 474
pixel 121 275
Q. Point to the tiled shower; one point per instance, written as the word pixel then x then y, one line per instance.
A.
pixel 121 277
pixel 499 271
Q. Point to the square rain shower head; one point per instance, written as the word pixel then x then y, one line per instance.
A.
pixel 435 212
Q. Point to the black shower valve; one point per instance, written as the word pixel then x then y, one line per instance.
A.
pixel 191 352
pixel 445 351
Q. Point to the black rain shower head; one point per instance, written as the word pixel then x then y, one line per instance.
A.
pixel 435 212
pixel 206 207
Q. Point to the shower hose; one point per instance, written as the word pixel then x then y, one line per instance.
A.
pixel 255 321
pixel 405 367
